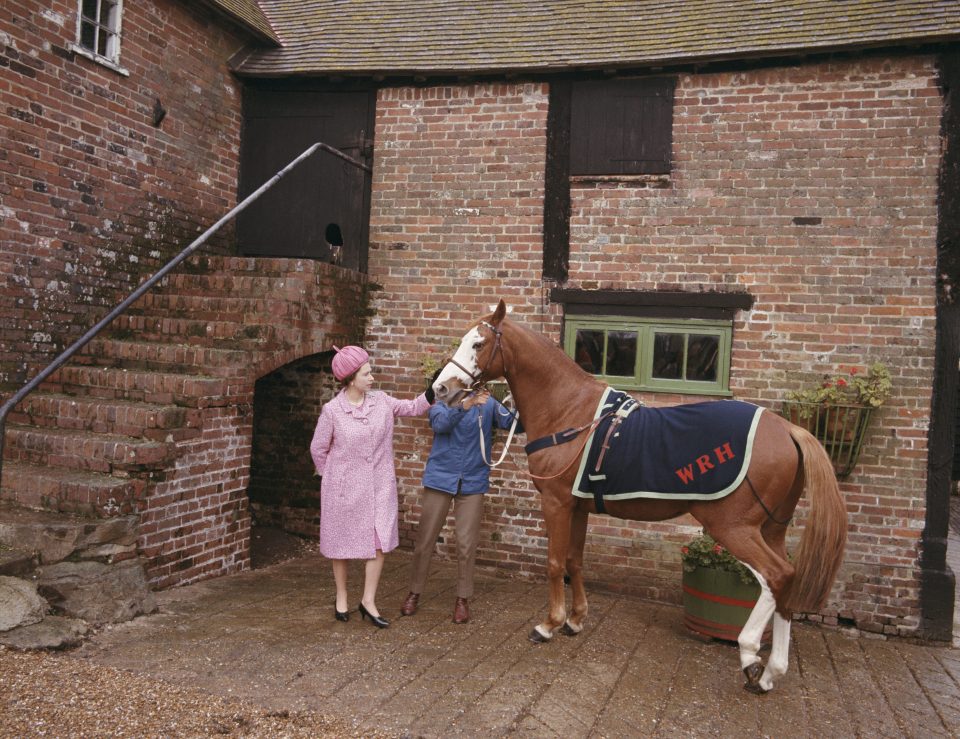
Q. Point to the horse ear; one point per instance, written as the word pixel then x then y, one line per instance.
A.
pixel 499 313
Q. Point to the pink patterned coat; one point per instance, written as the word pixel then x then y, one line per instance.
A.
pixel 352 448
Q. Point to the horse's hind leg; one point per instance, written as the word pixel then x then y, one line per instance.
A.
pixel 578 537
pixel 751 636
pixel 779 654
pixel 774 534
pixel 774 574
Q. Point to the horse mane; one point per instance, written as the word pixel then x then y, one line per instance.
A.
pixel 551 346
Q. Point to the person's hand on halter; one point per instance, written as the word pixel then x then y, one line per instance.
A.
pixel 477 398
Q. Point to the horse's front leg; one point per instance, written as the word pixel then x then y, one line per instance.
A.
pixel 578 537
pixel 557 518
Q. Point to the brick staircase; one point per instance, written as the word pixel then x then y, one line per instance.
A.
pixel 154 418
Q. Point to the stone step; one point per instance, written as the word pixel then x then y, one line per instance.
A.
pixel 52 537
pixel 107 416
pixel 208 303
pixel 163 388
pixel 247 274
pixel 192 359
pixel 85 451
pixel 255 334
pixel 16 562
pixel 61 489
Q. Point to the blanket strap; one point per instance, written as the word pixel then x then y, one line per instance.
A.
pixel 626 407
pixel 611 429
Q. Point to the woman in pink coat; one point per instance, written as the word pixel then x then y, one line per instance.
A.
pixel 352 450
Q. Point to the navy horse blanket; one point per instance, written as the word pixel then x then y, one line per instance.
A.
pixel 699 451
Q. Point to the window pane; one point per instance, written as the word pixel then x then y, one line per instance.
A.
pixel 621 353
pixel 89 9
pixel 588 352
pixel 108 14
pixel 702 357
pixel 102 40
pixel 88 36
pixel 668 356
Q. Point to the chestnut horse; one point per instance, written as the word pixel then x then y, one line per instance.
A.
pixel 552 393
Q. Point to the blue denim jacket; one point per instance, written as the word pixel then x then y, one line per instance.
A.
pixel 455 463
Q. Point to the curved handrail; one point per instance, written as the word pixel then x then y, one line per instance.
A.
pixel 76 346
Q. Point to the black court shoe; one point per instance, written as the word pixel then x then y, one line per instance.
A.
pixel 341 615
pixel 378 621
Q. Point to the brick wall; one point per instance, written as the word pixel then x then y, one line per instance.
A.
pixel 456 224
pixel 242 320
pixel 848 148
pixel 93 197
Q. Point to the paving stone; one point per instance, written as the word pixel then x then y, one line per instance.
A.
pixel 269 636
pixel 54 632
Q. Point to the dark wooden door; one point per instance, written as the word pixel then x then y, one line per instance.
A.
pixel 324 200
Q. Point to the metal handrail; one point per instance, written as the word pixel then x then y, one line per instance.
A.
pixel 76 346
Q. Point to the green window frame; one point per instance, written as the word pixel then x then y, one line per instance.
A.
pixel 689 356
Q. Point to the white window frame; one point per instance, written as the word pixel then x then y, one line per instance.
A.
pixel 114 33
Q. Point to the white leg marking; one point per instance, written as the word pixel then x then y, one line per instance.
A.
pixel 574 629
pixel 779 652
pixel 543 632
pixel 752 633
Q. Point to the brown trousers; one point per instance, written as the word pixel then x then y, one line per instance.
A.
pixel 467 512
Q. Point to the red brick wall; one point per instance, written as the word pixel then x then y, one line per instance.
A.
pixel 456 223
pixel 266 315
pixel 92 195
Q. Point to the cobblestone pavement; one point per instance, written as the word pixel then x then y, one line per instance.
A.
pixel 269 637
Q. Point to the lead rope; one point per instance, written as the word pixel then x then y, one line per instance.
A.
pixel 506 445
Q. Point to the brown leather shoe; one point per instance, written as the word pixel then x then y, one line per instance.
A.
pixel 461 611
pixel 409 606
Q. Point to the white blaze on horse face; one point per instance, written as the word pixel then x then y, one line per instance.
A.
pixel 452 379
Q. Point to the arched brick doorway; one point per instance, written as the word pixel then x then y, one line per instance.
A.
pixel 284 492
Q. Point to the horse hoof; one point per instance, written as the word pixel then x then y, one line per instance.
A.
pixel 537 638
pixel 568 630
pixel 753 673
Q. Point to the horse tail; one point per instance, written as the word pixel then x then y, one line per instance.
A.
pixel 821 546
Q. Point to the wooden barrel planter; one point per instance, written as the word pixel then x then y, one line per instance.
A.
pixel 717 603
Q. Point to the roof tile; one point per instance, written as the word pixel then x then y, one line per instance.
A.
pixel 454 37
pixel 248 13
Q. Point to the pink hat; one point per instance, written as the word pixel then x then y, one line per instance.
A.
pixel 348 360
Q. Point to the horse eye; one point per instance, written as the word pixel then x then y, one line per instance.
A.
pixel 476 346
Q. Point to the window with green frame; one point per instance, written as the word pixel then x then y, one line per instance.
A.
pixel 667 355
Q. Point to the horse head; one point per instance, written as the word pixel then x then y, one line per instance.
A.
pixel 479 358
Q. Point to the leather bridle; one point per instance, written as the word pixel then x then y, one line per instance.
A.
pixel 497 346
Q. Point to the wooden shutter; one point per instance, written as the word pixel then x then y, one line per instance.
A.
pixel 293 218
pixel 621 127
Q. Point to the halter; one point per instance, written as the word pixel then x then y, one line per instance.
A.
pixel 475 386
pixel 497 346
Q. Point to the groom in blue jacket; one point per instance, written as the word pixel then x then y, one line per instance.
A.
pixel 455 473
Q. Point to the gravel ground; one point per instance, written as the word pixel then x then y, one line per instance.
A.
pixel 54 694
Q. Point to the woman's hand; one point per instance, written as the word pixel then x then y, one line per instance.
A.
pixel 478 398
